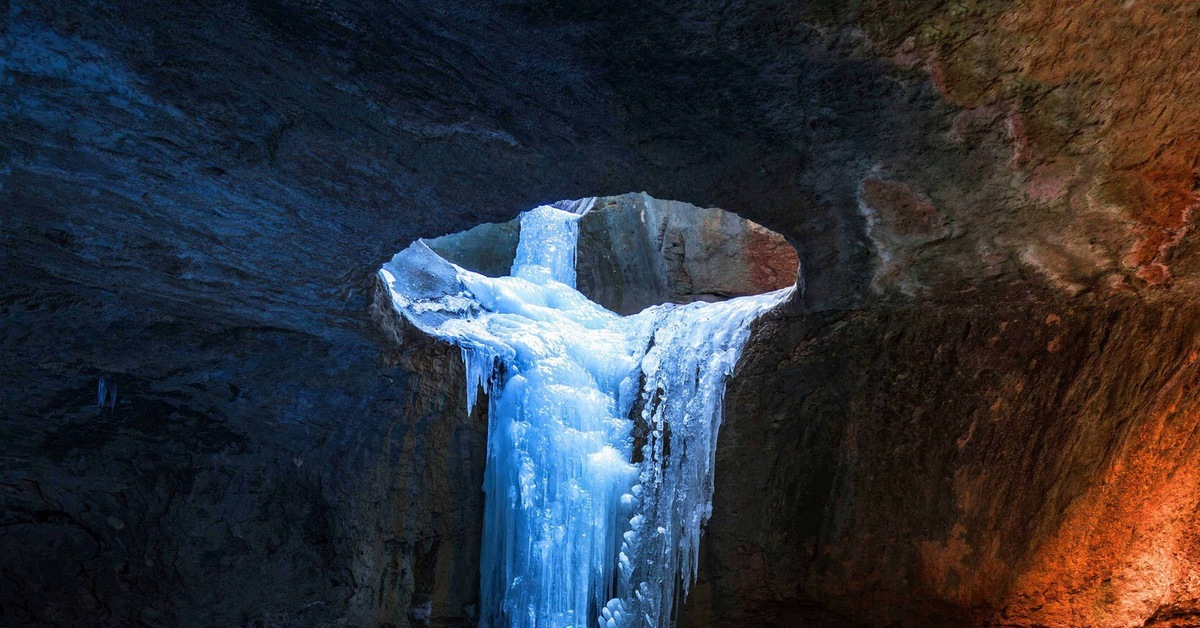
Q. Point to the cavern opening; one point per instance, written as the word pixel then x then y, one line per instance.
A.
pixel 603 332
pixel 635 251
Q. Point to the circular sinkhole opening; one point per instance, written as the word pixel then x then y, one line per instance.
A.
pixel 635 251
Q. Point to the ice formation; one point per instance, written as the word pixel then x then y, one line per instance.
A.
pixel 575 533
pixel 106 394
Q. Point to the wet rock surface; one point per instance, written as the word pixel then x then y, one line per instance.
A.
pixel 982 410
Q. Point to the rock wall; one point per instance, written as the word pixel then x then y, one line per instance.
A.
pixel 636 251
pixel 1017 466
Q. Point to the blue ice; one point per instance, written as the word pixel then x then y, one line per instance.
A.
pixel 575 534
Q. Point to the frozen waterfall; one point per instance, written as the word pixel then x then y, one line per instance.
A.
pixel 575 532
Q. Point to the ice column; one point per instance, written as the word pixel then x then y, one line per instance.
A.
pixel 575 534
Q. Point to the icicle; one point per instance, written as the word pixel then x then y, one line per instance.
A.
pixel 479 363
pixel 695 350
pixel 106 394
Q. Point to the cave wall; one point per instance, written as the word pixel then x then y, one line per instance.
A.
pixel 194 199
pixel 1020 466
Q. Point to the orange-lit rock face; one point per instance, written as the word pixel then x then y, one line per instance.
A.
pixel 1137 108
pixel 1017 466
pixel 1086 113
pixel 1089 108
pixel 773 262
pixel 1130 544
